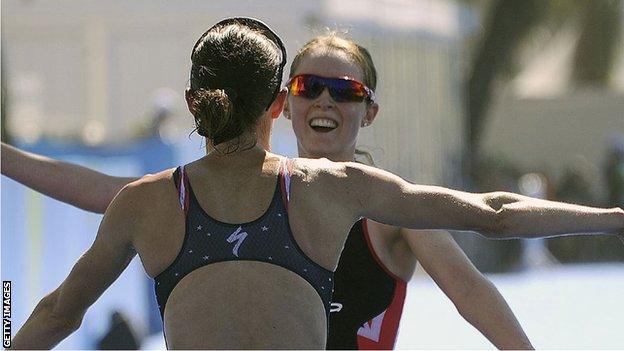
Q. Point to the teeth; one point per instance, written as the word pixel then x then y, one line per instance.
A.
pixel 323 122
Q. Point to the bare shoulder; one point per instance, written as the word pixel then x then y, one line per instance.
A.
pixel 322 168
pixel 152 182
pixel 152 189
pixel 308 169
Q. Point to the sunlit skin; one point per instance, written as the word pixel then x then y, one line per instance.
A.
pixel 388 198
pixel 399 249
pixel 476 299
pixel 338 144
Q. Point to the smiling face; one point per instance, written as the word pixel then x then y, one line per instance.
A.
pixel 324 127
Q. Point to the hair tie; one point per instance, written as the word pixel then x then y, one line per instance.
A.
pixel 231 93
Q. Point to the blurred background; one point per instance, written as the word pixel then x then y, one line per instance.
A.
pixel 524 96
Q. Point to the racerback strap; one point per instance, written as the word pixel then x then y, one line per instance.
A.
pixel 180 179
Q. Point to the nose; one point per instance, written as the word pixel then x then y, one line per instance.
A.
pixel 324 100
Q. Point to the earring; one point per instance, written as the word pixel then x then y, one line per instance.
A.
pixel 365 124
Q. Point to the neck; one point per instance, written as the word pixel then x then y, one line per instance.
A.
pixel 260 136
pixel 238 145
pixel 242 156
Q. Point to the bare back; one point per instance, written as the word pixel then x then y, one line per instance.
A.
pixel 251 304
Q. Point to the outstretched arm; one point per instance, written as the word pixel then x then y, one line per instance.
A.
pixel 474 296
pixel 61 312
pixel 387 198
pixel 76 185
pixel 525 217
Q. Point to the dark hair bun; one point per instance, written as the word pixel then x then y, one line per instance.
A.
pixel 212 109
pixel 234 75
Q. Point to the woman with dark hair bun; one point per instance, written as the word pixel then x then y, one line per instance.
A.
pixel 242 243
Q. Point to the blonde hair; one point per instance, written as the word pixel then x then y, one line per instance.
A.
pixel 334 41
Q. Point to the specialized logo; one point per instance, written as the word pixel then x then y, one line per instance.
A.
pixel 372 329
pixel 335 307
pixel 238 236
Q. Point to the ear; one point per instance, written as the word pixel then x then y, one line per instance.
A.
pixel 286 110
pixel 188 96
pixel 278 104
pixel 371 113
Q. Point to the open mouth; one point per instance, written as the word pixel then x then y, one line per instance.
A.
pixel 323 125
